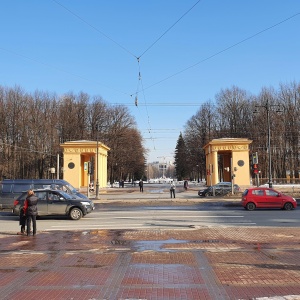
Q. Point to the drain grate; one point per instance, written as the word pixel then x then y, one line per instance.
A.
pixel 120 242
pixel 206 241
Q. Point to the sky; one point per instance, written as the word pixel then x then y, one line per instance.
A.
pixel 172 56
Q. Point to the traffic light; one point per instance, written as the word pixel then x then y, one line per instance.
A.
pixel 254 158
pixel 90 168
pixel 255 168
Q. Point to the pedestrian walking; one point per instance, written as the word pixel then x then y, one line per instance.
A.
pixel 185 185
pixel 91 187
pixel 141 185
pixel 172 189
pixel 30 210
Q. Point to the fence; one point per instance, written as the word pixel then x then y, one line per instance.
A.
pixel 291 185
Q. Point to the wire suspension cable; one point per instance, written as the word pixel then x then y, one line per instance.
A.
pixel 140 83
pixel 169 29
pixel 96 29
pixel 60 70
pixel 225 49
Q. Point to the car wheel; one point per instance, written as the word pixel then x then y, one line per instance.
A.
pixel 75 213
pixel 288 206
pixel 250 206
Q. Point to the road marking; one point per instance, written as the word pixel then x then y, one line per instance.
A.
pixel 125 226
pixel 154 223
pixel 161 216
pixel 93 225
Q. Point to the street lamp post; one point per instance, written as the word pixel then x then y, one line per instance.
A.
pixel 269 144
pixel 267 107
pixel 97 166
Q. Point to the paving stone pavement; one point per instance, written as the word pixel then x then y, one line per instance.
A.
pixel 208 263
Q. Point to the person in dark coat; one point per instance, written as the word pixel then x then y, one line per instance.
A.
pixel 22 221
pixel 30 211
pixel 141 185
pixel 185 185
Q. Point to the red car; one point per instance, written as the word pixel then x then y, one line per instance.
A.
pixel 262 197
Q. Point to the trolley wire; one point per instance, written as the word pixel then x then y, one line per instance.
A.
pixel 95 28
pixel 169 29
pixel 224 50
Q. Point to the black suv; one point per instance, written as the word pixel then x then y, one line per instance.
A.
pixel 54 202
pixel 11 189
pixel 221 188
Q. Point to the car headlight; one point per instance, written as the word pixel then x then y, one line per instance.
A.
pixel 85 203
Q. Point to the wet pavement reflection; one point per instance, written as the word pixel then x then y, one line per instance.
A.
pixel 208 263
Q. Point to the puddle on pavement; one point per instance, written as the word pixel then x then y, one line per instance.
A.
pixel 157 246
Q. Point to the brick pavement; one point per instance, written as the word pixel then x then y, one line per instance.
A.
pixel 208 263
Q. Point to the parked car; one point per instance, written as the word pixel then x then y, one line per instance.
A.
pixel 262 197
pixel 10 189
pixel 221 188
pixel 54 202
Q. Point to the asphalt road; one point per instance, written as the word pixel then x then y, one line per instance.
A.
pixel 128 208
pixel 147 211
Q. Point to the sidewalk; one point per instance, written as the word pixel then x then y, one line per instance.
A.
pixel 160 195
pixel 133 195
pixel 209 263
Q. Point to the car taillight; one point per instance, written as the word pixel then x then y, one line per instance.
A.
pixel 16 202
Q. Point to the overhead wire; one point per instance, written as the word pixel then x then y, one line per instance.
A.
pixel 118 44
pixel 189 67
pixel 224 50
pixel 115 42
pixel 95 28
pixel 165 79
pixel 140 83
pixel 60 70
pixel 159 104
pixel 147 49
pixel 169 29
pixel 140 78
pixel 148 117
pixel 128 51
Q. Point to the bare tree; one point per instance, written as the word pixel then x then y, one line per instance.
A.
pixel 199 130
pixel 233 112
pixel 289 99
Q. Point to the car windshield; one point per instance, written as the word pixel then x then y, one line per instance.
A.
pixel 224 183
pixel 66 195
pixel 71 188
pixel 245 192
pixel 38 193
pixel 67 188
